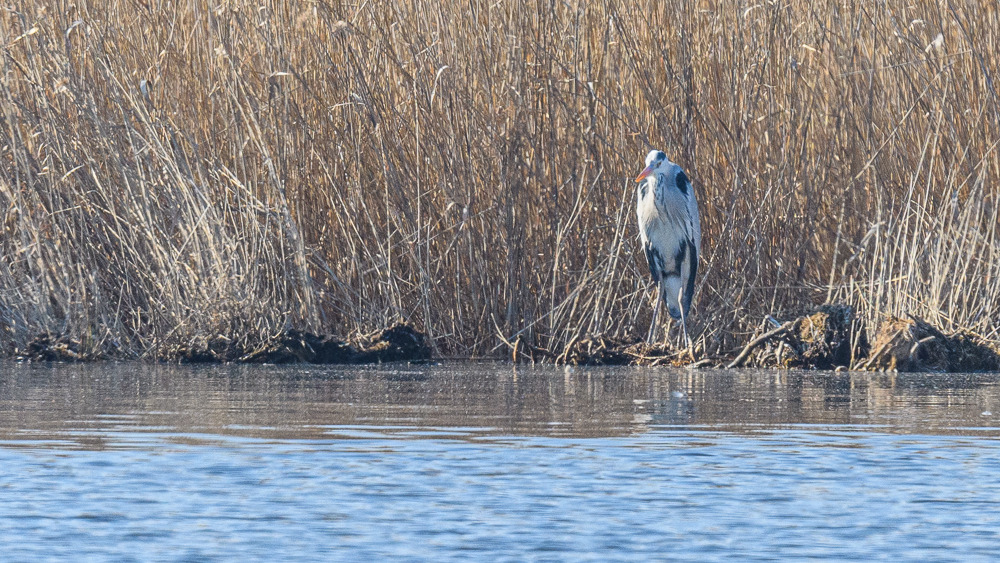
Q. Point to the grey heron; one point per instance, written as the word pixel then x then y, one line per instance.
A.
pixel 671 235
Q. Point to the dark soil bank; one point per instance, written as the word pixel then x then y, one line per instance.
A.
pixel 830 337
pixel 398 343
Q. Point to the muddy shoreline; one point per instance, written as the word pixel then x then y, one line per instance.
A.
pixel 397 343
pixel 828 338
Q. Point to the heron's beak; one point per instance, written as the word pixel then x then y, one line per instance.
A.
pixel 646 172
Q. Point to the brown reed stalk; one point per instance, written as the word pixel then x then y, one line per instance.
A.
pixel 174 174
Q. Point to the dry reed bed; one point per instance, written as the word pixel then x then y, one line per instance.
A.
pixel 172 176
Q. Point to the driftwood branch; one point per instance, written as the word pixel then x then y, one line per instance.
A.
pixel 758 341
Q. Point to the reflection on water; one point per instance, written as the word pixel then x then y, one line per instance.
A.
pixel 493 462
pixel 64 401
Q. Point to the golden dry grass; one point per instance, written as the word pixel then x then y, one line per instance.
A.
pixel 236 168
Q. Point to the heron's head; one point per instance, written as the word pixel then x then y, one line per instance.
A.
pixel 654 160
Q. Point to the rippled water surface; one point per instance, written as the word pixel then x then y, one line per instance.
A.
pixel 491 462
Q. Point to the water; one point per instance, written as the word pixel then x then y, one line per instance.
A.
pixel 485 462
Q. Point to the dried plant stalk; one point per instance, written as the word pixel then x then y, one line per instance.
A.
pixel 235 169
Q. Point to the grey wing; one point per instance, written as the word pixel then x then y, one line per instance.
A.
pixel 694 237
pixel 694 230
pixel 692 210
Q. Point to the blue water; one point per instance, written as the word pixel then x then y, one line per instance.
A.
pixel 154 463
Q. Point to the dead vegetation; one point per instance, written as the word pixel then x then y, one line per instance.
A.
pixel 825 339
pixel 913 345
pixel 396 344
pixel 830 338
pixel 224 176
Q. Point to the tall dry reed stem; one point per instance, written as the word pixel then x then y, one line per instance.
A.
pixel 174 173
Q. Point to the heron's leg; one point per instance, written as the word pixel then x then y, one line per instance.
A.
pixel 651 337
pixel 684 330
pixel 666 333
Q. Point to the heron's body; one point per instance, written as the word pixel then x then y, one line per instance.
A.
pixel 670 231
